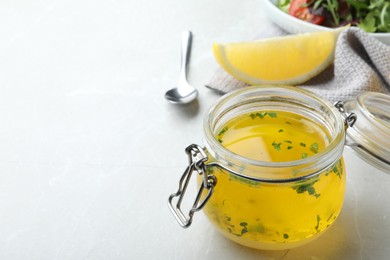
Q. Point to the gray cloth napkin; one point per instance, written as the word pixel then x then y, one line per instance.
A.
pixel 361 63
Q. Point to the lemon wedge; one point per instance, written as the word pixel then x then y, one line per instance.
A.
pixel 286 60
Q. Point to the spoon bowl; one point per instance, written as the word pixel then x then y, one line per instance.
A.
pixel 183 93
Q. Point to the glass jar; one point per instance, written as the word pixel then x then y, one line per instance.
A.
pixel 290 194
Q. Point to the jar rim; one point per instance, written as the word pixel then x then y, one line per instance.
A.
pixel 327 156
pixel 368 101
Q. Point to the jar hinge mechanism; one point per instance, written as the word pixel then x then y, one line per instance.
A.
pixel 350 118
pixel 196 159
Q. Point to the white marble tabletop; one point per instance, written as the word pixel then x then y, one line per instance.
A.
pixel 90 150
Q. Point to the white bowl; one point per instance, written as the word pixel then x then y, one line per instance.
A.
pixel 294 25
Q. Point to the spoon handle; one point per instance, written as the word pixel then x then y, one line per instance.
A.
pixel 186 39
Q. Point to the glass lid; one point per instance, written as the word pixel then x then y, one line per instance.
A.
pixel 369 137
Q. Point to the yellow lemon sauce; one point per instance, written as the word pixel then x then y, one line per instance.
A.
pixel 275 215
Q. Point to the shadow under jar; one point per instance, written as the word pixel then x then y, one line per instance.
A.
pixel 271 173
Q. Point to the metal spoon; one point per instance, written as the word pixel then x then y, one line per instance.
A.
pixel 184 92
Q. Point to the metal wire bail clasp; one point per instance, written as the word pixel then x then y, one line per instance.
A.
pixel 350 119
pixel 196 159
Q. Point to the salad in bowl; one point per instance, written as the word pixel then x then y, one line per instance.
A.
pixel 297 16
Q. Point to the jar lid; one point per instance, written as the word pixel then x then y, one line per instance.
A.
pixel 369 137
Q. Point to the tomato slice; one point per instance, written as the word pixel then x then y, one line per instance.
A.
pixel 299 9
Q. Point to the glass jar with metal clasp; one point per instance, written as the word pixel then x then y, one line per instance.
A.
pixel 271 173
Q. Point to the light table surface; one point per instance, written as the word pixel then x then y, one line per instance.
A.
pixel 90 150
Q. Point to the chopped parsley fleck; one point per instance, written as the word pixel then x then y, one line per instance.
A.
pixel 289 147
pixel 286 236
pixel 272 114
pixel 307 187
pixel 314 148
pixel 318 222
pixel 302 144
pixel 277 146
pixel 338 169
pixel 304 155
pixel 258 114
pixel 261 115
pixel 260 228
pixel 223 130
pixel 287 141
pixel 281 130
pixel 210 170
pixel 244 229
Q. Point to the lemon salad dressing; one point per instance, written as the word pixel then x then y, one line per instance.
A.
pixel 266 215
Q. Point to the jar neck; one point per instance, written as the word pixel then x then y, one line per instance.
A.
pixel 288 99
